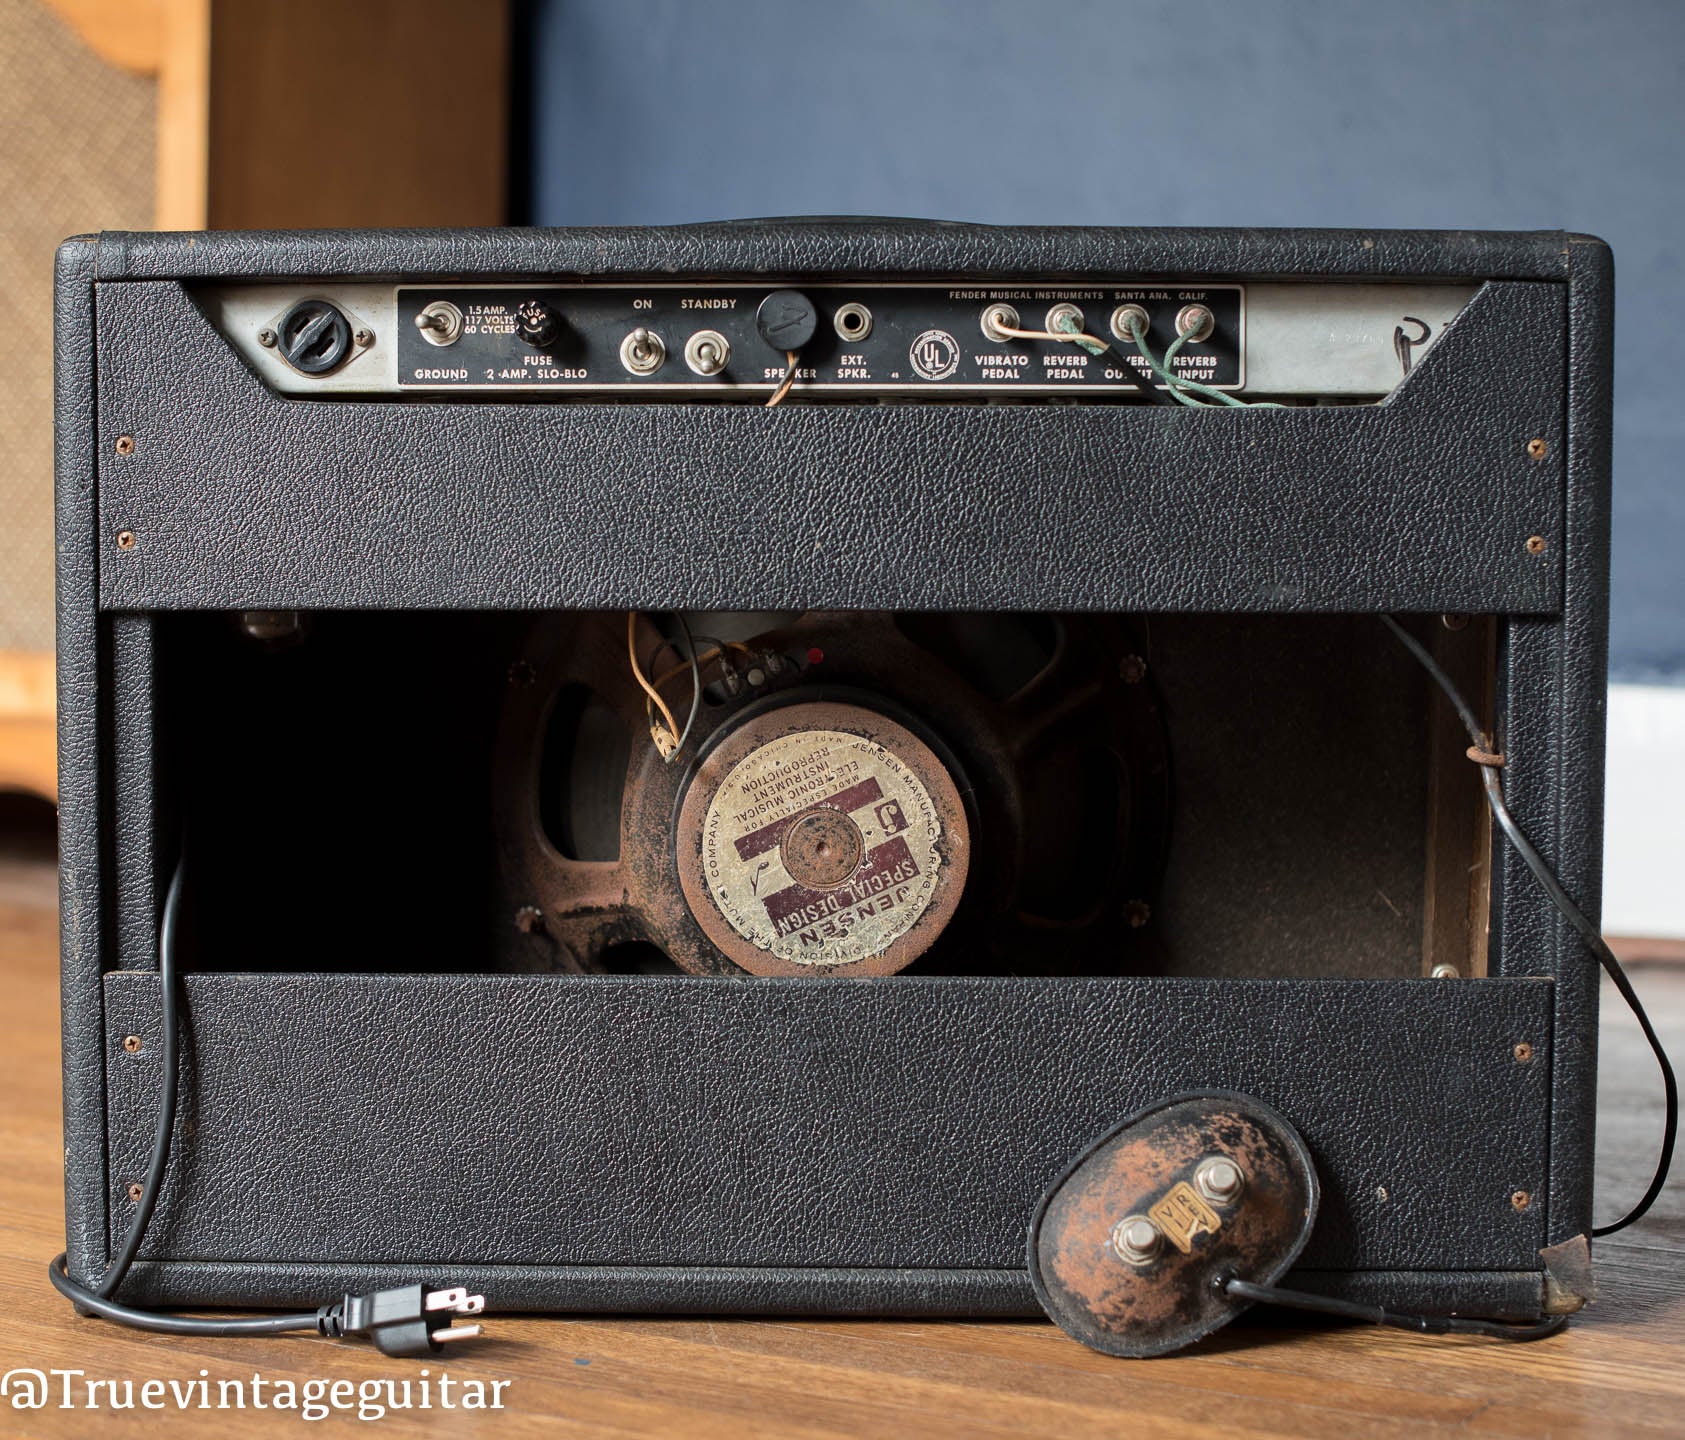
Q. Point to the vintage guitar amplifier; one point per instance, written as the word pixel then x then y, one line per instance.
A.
pixel 636 846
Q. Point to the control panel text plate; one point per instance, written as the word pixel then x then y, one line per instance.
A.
pixel 915 337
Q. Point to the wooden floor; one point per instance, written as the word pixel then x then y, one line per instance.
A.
pixel 1620 1370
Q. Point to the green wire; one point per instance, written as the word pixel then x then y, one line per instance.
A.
pixel 1177 385
pixel 1068 326
pixel 1161 368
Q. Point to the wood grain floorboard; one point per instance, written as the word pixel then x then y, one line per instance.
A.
pixel 1619 1370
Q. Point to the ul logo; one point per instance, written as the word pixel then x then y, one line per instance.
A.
pixel 890 816
pixel 935 355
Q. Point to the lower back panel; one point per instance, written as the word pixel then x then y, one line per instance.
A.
pixel 603 1121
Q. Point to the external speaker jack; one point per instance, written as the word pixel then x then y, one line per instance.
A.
pixel 853 322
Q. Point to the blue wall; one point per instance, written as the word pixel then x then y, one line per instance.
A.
pixel 1457 113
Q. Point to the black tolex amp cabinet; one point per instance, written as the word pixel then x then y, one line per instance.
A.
pixel 643 847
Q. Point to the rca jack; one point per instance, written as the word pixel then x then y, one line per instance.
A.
pixel 997 320
pixel 1196 322
pixel 853 322
pixel 1065 319
pixel 1125 317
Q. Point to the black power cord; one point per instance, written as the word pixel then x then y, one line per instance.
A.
pixel 1491 776
pixel 1380 1315
pixel 409 1320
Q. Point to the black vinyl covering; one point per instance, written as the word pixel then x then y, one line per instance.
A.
pixel 841 246
pixel 1424 502
pixel 797 1124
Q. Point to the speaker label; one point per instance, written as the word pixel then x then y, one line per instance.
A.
pixel 821 848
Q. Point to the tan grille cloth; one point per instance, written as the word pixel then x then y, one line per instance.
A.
pixel 76 145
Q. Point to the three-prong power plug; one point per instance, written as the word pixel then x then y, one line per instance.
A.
pixel 411 1320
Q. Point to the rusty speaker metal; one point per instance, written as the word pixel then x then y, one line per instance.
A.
pixel 966 794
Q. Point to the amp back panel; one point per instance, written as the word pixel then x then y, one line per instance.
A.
pixel 864 339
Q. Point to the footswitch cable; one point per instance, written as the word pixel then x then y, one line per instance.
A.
pixel 1236 1289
